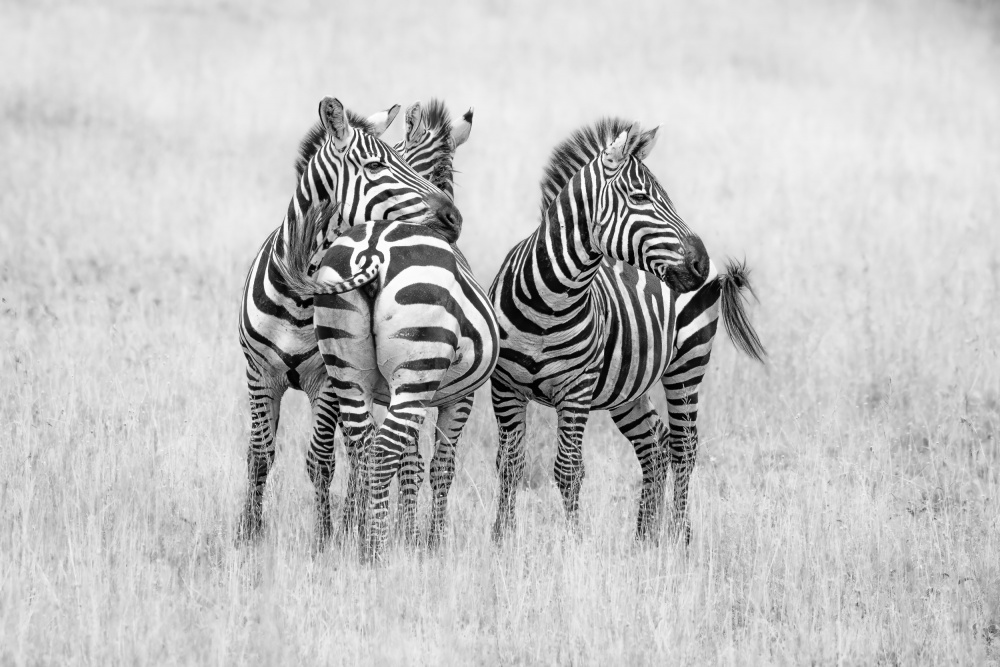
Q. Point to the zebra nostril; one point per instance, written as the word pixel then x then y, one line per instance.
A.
pixel 450 215
pixel 697 257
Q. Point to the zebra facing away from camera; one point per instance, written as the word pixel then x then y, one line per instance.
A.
pixel 342 161
pixel 423 335
pixel 610 294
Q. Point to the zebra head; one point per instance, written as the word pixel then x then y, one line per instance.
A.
pixel 430 142
pixel 635 221
pixel 365 176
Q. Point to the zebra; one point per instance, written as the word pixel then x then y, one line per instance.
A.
pixel 609 295
pixel 423 334
pixel 341 160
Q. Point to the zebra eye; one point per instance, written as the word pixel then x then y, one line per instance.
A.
pixel 375 166
pixel 640 197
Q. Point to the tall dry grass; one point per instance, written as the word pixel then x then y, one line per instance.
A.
pixel 845 501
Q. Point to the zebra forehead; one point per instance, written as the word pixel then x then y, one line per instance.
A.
pixel 574 152
pixel 316 137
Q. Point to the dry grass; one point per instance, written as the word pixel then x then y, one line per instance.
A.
pixel 845 504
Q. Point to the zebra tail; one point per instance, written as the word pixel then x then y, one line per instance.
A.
pixel 736 279
pixel 293 265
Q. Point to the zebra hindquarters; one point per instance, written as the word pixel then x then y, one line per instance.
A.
pixel 343 334
pixel 698 323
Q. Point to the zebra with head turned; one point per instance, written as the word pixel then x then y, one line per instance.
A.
pixel 343 161
pixel 429 145
pixel 582 333
pixel 423 334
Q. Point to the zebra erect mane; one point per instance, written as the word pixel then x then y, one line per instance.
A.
pixel 316 137
pixel 580 148
pixel 439 123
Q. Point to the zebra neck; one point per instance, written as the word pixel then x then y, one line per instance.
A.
pixel 566 253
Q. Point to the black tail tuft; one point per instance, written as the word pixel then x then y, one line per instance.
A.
pixel 741 332
pixel 292 260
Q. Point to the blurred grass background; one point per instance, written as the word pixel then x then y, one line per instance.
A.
pixel 845 502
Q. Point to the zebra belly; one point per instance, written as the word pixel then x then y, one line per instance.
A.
pixel 641 320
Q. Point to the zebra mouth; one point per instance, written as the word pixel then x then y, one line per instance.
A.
pixel 678 280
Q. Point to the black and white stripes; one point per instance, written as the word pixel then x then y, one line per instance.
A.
pixel 343 161
pixel 591 309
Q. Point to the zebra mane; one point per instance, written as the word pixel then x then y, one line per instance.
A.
pixel 580 148
pixel 316 137
pixel 438 122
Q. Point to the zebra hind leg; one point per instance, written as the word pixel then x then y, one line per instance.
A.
pixel 411 477
pixel 265 410
pixel 359 435
pixel 683 452
pixel 450 423
pixel 639 422
pixel 321 457
pixel 681 443
pixel 399 429
pixel 510 410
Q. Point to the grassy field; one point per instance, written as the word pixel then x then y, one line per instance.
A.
pixel 846 500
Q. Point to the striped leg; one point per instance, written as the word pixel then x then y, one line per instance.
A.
pixel 568 469
pixel 321 457
pixel 510 409
pixel 359 429
pixel 411 477
pixel 356 500
pixel 682 445
pixel 681 382
pixel 398 431
pixel 265 410
pixel 450 422
pixel 336 317
pixel 639 422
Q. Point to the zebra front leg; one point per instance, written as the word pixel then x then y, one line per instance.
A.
pixel 568 469
pixel 321 457
pixel 639 422
pixel 411 477
pixel 510 409
pixel 450 423
pixel 265 410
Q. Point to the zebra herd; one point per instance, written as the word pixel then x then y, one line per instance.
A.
pixel 362 296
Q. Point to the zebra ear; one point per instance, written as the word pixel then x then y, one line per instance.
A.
pixel 415 126
pixel 460 131
pixel 620 148
pixel 644 146
pixel 331 114
pixel 383 119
